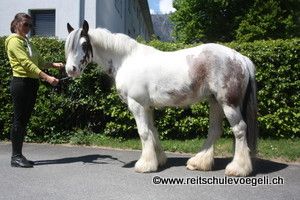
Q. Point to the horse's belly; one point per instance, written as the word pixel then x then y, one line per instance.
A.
pixel 172 102
pixel 164 96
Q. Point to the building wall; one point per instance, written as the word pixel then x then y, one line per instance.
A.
pixel 125 16
pixel 66 11
pixel 114 21
pixel 120 16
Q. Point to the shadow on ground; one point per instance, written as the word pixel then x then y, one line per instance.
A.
pixel 91 159
pixel 261 166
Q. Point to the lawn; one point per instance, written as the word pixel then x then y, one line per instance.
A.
pixel 286 150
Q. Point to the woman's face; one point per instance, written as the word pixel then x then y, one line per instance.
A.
pixel 24 27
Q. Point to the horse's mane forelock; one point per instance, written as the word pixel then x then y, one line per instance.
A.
pixel 73 39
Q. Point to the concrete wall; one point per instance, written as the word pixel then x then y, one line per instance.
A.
pixel 99 13
pixel 66 11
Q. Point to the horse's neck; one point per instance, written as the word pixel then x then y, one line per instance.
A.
pixel 110 50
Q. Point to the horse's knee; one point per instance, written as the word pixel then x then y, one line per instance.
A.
pixel 239 130
pixel 144 134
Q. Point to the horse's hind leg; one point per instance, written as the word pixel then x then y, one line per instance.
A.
pixel 152 153
pixel 241 163
pixel 205 158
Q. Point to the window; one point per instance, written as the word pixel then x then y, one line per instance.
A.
pixel 43 22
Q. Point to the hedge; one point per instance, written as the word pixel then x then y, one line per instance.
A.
pixel 90 103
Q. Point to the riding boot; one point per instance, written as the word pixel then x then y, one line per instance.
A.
pixel 20 161
pixel 17 159
pixel 17 138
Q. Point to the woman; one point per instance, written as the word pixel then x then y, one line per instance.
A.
pixel 26 63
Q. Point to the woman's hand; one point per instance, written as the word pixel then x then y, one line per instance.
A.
pixel 50 79
pixel 58 65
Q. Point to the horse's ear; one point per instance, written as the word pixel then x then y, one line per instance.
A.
pixel 85 26
pixel 70 28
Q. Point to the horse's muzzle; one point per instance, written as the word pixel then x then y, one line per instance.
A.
pixel 72 71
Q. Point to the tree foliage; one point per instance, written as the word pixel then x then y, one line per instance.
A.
pixel 228 20
pixel 269 20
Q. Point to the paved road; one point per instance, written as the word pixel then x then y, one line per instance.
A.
pixel 71 172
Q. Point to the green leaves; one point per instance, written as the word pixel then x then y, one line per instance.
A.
pixel 278 72
pixel 91 103
pixel 228 20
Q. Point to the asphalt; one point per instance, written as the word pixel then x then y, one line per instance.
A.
pixel 76 172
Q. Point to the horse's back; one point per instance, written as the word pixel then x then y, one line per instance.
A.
pixel 185 76
pixel 213 69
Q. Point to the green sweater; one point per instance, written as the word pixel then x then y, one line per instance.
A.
pixel 23 57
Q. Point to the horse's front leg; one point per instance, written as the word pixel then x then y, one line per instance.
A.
pixel 152 152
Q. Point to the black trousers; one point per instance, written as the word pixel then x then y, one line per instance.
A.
pixel 24 93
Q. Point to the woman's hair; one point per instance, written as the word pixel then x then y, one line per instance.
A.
pixel 18 18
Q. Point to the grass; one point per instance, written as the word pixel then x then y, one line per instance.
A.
pixel 286 150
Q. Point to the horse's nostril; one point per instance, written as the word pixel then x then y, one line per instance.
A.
pixel 74 69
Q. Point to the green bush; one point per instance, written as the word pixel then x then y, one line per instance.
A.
pixel 5 102
pixel 91 103
pixel 278 78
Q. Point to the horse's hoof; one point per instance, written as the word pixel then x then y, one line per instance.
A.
pixel 201 161
pixel 235 169
pixel 142 166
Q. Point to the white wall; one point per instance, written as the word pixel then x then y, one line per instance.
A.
pixel 99 13
pixel 89 12
pixel 65 11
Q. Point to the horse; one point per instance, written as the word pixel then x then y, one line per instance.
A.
pixel 147 78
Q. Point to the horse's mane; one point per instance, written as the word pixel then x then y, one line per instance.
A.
pixel 116 42
pixel 104 39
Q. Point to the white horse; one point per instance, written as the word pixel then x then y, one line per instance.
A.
pixel 146 78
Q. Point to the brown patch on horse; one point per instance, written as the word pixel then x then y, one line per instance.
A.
pixel 198 69
pixel 233 81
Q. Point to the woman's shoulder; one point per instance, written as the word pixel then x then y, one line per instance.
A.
pixel 13 39
pixel 14 36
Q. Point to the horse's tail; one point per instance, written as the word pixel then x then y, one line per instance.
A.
pixel 249 110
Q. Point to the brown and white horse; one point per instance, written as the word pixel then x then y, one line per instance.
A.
pixel 146 78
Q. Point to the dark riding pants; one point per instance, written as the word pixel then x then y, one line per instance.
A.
pixel 24 93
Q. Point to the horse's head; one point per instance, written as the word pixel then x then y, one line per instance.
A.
pixel 78 50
